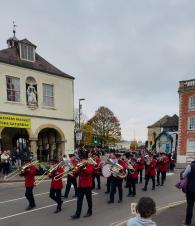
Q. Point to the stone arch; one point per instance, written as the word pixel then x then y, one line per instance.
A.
pixel 46 126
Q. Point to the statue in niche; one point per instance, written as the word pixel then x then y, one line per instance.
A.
pixel 31 95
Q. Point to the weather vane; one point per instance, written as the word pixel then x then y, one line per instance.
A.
pixel 14 28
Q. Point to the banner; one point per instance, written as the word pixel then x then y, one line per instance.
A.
pixel 15 121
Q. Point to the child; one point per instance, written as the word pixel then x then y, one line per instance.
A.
pixel 146 207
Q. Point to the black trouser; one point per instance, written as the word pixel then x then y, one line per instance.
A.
pixel 97 176
pixel 163 176
pixel 190 197
pixel 55 194
pixel 132 186
pixel 70 181
pixel 108 184
pixel 88 193
pixel 140 175
pixel 29 196
pixel 5 167
pixel 147 180
pixel 115 182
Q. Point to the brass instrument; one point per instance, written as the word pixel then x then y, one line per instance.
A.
pixel 20 170
pixel 147 160
pixel 45 175
pixel 70 169
pixel 130 168
pixel 116 169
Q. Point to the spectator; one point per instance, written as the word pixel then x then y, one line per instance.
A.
pixel 5 163
pixel 190 192
pixel 146 207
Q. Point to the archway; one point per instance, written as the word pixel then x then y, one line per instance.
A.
pixel 49 144
pixel 15 138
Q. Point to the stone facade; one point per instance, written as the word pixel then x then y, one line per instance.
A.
pixel 57 120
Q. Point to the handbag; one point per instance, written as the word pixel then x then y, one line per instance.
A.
pixel 182 184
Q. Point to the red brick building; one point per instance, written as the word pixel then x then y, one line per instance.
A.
pixel 186 144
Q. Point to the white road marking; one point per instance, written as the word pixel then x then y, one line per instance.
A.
pixel 13 200
pixel 37 209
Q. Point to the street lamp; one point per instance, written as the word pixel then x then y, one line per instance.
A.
pixel 80 107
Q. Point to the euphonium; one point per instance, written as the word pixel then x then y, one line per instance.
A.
pixel 116 168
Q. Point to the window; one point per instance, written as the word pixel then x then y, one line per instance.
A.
pixel 27 52
pixel 192 123
pixel 13 89
pixel 192 102
pixel 191 145
pixel 48 95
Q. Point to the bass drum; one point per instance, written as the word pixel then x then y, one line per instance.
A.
pixel 106 170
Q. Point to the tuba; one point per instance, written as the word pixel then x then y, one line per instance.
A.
pixel 113 168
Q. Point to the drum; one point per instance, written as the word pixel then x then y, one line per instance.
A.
pixel 106 170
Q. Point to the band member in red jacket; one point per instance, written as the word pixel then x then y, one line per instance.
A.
pixel 150 171
pixel 141 163
pixel 29 177
pixel 84 171
pixel 97 170
pixel 71 179
pixel 56 185
pixel 164 168
pixel 133 168
pixel 116 179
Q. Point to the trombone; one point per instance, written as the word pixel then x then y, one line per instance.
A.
pixel 41 178
pixel 19 170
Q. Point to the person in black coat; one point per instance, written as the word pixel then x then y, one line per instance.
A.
pixel 190 192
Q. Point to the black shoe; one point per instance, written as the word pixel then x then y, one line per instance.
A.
pixel 161 184
pixel 87 215
pixel 144 189
pixel 109 202
pixel 133 195
pixel 30 207
pixel 153 188
pixel 129 195
pixel 65 196
pixel 119 201
pixel 57 210
pixel 158 185
pixel 107 192
pixel 75 216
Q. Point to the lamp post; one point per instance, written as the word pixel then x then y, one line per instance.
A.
pixel 80 107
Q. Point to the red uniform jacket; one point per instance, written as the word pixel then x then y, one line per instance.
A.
pixel 141 163
pixel 85 176
pixel 74 163
pixel 29 175
pixel 150 170
pixel 123 163
pixel 165 164
pixel 57 184
pixel 97 169
pixel 135 174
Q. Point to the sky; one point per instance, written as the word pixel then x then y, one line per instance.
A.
pixel 127 55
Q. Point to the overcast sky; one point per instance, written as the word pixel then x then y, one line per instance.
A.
pixel 126 55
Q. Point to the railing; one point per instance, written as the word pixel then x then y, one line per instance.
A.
pixel 188 83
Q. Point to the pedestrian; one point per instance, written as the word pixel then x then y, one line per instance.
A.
pixel 28 172
pixel 190 192
pixel 5 158
pixel 146 207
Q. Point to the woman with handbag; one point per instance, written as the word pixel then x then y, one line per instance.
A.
pixel 190 191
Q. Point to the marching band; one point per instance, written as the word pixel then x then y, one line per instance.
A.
pixel 82 168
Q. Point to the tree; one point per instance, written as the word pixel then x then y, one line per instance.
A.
pixel 106 126
pixel 87 134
